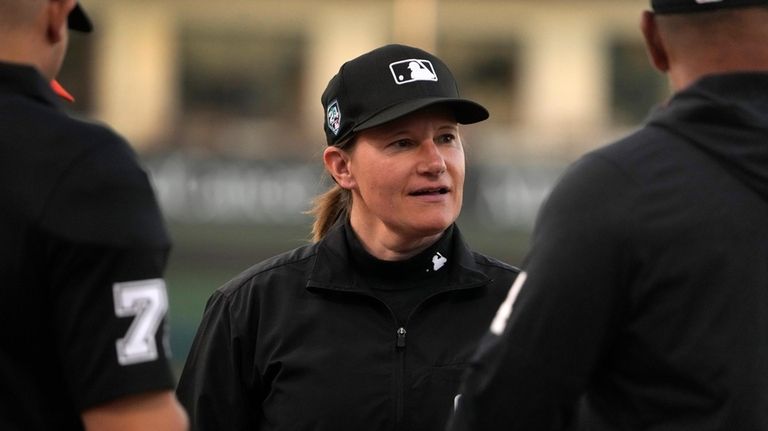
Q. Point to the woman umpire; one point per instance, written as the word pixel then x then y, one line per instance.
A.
pixel 371 326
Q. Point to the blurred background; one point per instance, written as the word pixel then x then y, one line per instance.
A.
pixel 221 100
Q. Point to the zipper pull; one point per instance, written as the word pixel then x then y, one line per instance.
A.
pixel 401 337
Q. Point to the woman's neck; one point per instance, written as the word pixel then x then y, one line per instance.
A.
pixel 387 244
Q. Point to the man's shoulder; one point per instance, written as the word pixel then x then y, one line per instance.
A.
pixel 87 134
pixel 98 189
pixel 634 157
pixel 55 138
pixel 647 153
pixel 71 175
pixel 641 142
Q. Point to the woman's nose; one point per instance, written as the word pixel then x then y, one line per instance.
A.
pixel 432 161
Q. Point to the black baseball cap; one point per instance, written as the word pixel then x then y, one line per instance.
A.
pixel 78 20
pixel 685 6
pixel 388 83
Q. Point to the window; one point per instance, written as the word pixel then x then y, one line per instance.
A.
pixel 239 88
pixel 487 71
pixel 240 72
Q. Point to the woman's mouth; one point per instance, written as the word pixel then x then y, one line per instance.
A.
pixel 431 191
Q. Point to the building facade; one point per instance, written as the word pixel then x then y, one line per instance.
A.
pixel 243 78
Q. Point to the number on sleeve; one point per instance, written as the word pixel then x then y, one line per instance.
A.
pixel 147 300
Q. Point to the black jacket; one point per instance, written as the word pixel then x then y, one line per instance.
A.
pixel 78 216
pixel 646 300
pixel 299 342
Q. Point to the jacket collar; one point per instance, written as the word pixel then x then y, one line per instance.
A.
pixel 331 267
pixel 27 81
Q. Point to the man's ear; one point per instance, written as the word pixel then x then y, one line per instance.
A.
pixel 57 15
pixel 337 163
pixel 653 43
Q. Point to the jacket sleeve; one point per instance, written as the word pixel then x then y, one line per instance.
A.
pixel 531 369
pixel 105 248
pixel 217 386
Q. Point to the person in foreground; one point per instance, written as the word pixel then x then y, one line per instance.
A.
pixel 643 301
pixel 371 326
pixel 82 253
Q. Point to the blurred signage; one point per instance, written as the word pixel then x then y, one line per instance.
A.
pixel 274 192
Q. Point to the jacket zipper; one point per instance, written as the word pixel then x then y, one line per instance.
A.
pixel 400 344
pixel 400 375
pixel 400 367
pixel 400 348
pixel 400 334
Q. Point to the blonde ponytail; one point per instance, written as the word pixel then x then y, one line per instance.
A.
pixel 328 208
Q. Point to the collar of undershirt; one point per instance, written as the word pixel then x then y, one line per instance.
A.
pixel 428 265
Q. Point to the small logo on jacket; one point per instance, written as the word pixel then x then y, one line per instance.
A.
pixel 438 260
pixel 411 70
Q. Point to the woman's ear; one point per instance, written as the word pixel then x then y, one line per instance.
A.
pixel 337 162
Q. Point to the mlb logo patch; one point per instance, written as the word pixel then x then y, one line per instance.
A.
pixel 411 70
pixel 333 116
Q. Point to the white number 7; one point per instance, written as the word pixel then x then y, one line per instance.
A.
pixel 148 301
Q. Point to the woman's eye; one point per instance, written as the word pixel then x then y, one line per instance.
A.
pixel 447 138
pixel 402 143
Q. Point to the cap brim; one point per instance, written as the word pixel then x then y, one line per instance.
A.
pixel 663 7
pixel 78 20
pixel 466 111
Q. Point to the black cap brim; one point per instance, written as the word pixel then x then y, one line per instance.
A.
pixel 78 20
pixel 687 6
pixel 466 111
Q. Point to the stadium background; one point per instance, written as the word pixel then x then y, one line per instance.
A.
pixel 221 101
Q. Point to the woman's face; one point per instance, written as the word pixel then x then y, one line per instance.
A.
pixel 407 177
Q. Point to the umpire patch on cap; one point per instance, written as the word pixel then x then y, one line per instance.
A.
pixel 411 70
pixel 333 116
